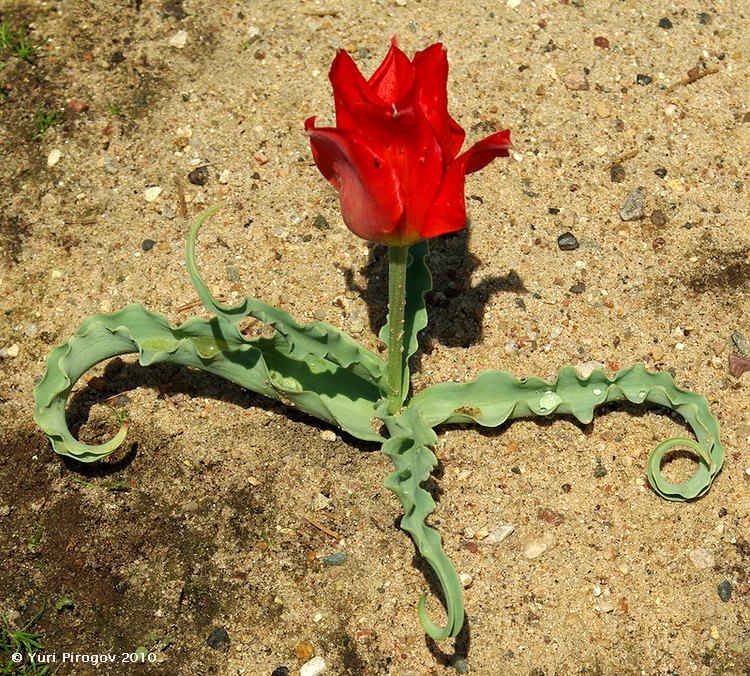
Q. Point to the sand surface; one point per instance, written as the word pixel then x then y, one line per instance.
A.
pixel 210 516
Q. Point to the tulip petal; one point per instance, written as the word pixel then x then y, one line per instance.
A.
pixel 371 204
pixel 394 77
pixel 448 212
pixel 431 97
pixel 486 150
pixel 351 92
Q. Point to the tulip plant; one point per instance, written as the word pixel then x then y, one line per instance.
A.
pixel 394 158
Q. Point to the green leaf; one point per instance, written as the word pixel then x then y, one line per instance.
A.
pixel 495 396
pixel 267 366
pixel 409 449
pixel 317 338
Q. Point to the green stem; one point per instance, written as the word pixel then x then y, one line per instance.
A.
pixel 397 259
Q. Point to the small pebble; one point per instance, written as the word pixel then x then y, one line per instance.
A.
pixel 465 579
pixel 148 244
pixel 578 288
pixel 11 351
pixel 567 242
pixel 643 80
pixel 218 639
pixel 178 40
pixel 224 176
pixel 321 223
pixel 111 166
pixel 536 547
pixel 304 651
pixel 600 470
pixel 282 670
pixel 152 193
pixel 198 176
pixel 665 23
pixel 78 106
pixel 740 342
pixel 725 590
pixel 461 665
pixel 633 208
pixel 328 435
pixel 500 533
pixel 601 42
pixel 661 172
pixel 702 559
pixel 315 667
pixel 576 81
pixel 738 364
pixel 602 110
pixel 658 218
pixel 337 559
pixel 617 173
pixel 54 157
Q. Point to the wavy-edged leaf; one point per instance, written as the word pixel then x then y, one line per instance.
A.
pixel 409 449
pixel 312 384
pixel 316 338
pixel 495 396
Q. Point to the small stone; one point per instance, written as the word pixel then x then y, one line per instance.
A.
pixel 179 39
pixel 536 547
pixel 218 639
pixel 658 218
pixel 576 81
pixel 54 157
pixel 198 176
pixel 643 80
pixel 224 176
pixel 661 172
pixel 617 173
pixel 600 470
pixel 337 559
pixel 461 665
pixel 501 533
pixel 304 651
pixel 168 212
pixel 634 206
pixel 111 166
pixel 586 368
pixel 725 590
pixel 665 23
pixel 551 517
pixel 328 435
pixel 601 42
pixel 738 364
pixel 604 605
pixel 578 288
pixel 260 157
pixel 702 559
pixel 148 244
pixel 320 502
pixel 465 579
pixel 152 193
pixel 78 106
pixel 567 242
pixel 602 110
pixel 281 670
pixel 321 223
pixel 11 351
pixel 315 667
pixel 740 342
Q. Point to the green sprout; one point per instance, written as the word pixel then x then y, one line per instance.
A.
pixel 23 642
pixel 114 108
pixel 45 120
pixel 16 43
pixel 36 536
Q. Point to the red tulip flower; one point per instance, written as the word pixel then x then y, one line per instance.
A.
pixel 393 155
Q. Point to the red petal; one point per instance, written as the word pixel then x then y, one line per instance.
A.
pixel 431 96
pixel 350 91
pixel 371 204
pixel 486 150
pixel 394 77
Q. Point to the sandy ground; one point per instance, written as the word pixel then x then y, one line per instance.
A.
pixel 210 515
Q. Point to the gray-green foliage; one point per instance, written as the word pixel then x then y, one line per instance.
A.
pixel 320 370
